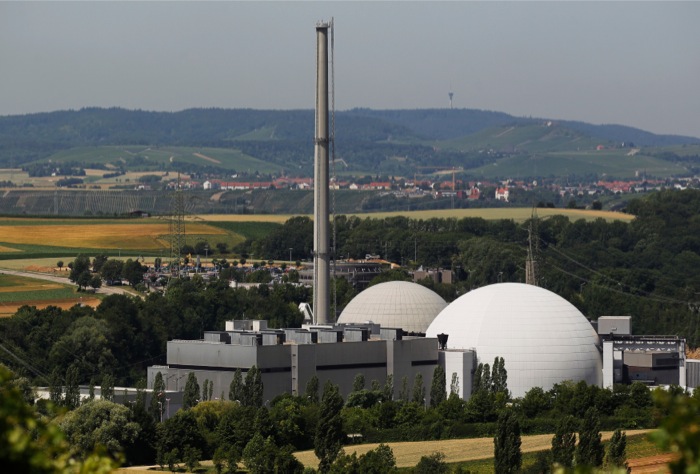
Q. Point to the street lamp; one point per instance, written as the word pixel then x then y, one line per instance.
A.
pixel 290 254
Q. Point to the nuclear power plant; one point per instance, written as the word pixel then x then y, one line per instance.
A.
pixel 395 331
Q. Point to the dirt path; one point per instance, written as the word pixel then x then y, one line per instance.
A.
pixel 207 158
pixel 651 464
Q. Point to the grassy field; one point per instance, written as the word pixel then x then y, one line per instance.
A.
pixel 27 237
pixel 461 450
pixel 22 238
pixel 16 291
pixel 519 214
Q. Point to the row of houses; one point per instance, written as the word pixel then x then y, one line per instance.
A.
pixel 466 190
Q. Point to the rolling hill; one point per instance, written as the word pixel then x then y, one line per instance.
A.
pixel 368 142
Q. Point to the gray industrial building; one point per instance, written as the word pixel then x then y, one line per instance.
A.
pixel 653 360
pixel 289 358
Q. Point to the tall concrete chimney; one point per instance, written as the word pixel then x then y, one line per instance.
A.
pixel 321 182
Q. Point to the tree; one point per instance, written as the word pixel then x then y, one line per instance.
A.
pixel 95 282
pixel 438 391
pixel 56 387
pixel 454 384
pixel 358 383
pixel 253 389
pixel 262 456
pixel 379 460
pixel 222 247
pixel 157 397
pixel 235 389
pixel 72 399
pixel 329 432
pixel 112 270
pixel 100 423
pixel 107 388
pixel 589 451
pixel 432 464
pixel 311 392
pixel 28 443
pixel 98 262
pixel 80 270
pixel 507 453
pixel 499 376
pixel 59 264
pixel 133 272
pixel 191 396
pixel 564 442
pixel 616 455
pixel 418 390
pixel 83 280
pixel 388 390
pixel 403 394
pixel 178 437
pixel 678 431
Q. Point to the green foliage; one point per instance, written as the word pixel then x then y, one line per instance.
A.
pixel 112 270
pixel 100 423
pixel 191 395
pixel 72 397
pixel 107 388
pixel 80 271
pixel 235 390
pixel 311 392
pixel 507 453
pixel 253 388
pixel 432 464
pixel 418 390
pixel 177 437
pixel 438 390
pixel 680 429
pixel 133 272
pixel 29 444
pixel 379 460
pixel 158 402
pixel 616 453
pixel 590 450
pixel 564 442
pixel 262 456
pixel 358 383
pixel 535 402
pixel 329 432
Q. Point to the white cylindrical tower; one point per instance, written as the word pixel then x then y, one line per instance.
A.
pixel 321 181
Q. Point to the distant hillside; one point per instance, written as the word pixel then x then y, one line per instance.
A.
pixel 368 142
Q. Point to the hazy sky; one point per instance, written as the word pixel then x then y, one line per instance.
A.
pixel 633 63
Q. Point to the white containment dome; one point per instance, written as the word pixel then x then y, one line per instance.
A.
pixel 542 338
pixel 395 304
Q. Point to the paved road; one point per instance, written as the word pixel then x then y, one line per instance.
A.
pixel 104 290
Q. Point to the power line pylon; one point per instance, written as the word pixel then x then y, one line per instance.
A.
pixel 177 228
pixel 533 250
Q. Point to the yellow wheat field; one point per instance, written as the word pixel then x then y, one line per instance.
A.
pixel 519 214
pixel 98 236
pixel 455 450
